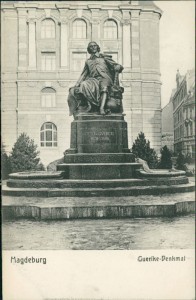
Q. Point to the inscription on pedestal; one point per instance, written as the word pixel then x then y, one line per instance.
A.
pixel 99 136
pixel 106 134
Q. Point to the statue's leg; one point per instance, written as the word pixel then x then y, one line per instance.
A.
pixel 104 85
pixel 103 102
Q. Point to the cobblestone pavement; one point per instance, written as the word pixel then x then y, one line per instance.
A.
pixel 151 233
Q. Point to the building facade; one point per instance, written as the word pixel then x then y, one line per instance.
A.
pixel 167 138
pixel 43 53
pixel 184 114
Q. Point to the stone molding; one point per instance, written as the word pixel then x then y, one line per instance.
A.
pixel 22 12
pixel 32 83
pixel 94 6
pixel 125 22
pixel 95 21
pixel 142 109
pixel 47 12
pixel 63 83
pixel 31 20
pixel 53 111
pixel 63 21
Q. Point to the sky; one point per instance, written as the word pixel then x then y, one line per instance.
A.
pixel 177 42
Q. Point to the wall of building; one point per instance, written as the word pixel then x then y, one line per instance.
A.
pixel 168 126
pixel 136 47
pixel 183 114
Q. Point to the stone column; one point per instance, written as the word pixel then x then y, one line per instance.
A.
pixel 126 39
pixel 64 39
pixel 32 44
pixel 22 39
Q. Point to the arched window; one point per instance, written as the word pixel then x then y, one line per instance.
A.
pixel 48 97
pixel 48 29
pixel 48 135
pixel 110 30
pixel 79 29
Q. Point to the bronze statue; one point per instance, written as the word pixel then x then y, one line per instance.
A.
pixel 97 89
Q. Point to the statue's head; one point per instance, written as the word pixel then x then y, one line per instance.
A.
pixel 93 47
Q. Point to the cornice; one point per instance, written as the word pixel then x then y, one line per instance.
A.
pixel 91 5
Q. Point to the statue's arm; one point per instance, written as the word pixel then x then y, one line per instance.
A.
pixel 83 75
pixel 113 65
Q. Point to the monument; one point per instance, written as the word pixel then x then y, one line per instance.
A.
pixel 98 162
pixel 99 139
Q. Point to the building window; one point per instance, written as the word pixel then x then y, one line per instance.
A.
pixel 48 61
pixel 48 135
pixel 191 114
pixel 187 131
pixel 187 113
pixel 181 131
pixel 78 61
pixel 193 151
pixel 181 115
pixel 178 116
pixel 191 129
pixel 110 30
pixel 79 29
pixel 48 97
pixel 48 29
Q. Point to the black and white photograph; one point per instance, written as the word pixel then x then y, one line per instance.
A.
pixel 98 149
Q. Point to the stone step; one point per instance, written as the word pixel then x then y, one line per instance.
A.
pixel 112 183
pixel 88 192
pixel 99 170
pixel 33 175
pixel 99 158
pixel 160 173
pixel 97 212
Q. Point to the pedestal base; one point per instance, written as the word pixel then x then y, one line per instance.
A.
pixel 99 149
pixel 99 134
pixel 99 170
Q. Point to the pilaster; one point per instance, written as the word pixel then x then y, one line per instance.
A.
pixel 32 44
pixel 63 38
pixel 95 21
pixel 126 24
pixel 22 39
pixel 135 40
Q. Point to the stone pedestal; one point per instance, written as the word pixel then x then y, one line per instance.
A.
pixel 99 149
pixel 99 134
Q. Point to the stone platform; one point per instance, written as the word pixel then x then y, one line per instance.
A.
pixel 99 188
pixel 60 208
pixel 98 163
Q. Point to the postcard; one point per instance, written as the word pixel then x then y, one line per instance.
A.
pixel 98 150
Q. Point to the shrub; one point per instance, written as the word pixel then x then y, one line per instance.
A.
pixel 141 149
pixel 24 155
pixel 181 162
pixel 5 164
pixel 189 159
pixel 166 161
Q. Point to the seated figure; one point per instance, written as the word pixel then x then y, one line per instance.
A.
pixel 97 89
